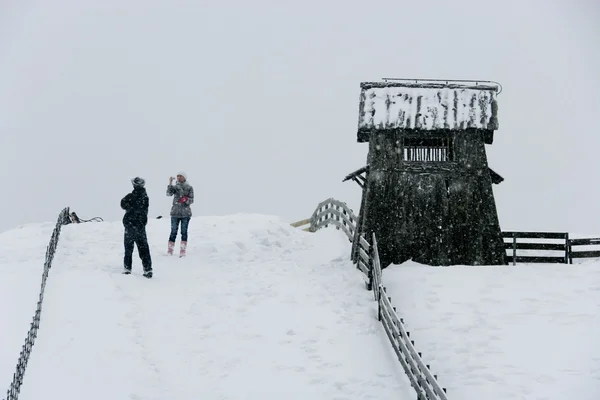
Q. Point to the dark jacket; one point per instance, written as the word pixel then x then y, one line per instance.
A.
pixel 183 198
pixel 135 205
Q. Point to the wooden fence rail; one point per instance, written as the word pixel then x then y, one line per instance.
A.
pixel 364 262
pixel 334 212
pixel 515 245
pixel 583 253
pixel 550 247
pixel 304 224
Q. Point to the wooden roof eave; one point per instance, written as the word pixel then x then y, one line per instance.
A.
pixel 496 178
pixel 357 177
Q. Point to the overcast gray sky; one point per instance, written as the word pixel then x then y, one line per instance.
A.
pixel 258 101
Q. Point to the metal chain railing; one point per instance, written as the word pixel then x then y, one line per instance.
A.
pixel 15 385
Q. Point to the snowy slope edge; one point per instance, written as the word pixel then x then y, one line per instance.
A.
pixel 15 385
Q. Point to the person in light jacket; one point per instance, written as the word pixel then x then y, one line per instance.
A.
pixel 181 213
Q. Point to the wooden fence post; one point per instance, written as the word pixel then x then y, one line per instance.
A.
pixel 379 290
pixel 371 268
pixel 514 249
pixel 567 249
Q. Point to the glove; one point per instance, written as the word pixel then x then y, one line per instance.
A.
pixel 183 199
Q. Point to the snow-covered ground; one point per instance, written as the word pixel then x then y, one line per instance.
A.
pixel 258 310
pixel 516 332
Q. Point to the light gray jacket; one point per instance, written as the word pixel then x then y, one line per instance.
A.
pixel 183 197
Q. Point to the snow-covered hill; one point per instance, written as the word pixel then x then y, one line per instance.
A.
pixel 258 310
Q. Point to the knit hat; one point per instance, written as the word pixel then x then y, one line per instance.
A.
pixel 138 182
pixel 182 173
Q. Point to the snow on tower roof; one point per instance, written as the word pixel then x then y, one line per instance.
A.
pixel 426 106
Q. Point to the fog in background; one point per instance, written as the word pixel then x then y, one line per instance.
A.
pixel 258 101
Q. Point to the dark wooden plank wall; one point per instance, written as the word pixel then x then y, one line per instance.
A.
pixel 436 213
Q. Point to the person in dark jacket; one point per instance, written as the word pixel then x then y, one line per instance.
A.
pixel 135 219
pixel 183 198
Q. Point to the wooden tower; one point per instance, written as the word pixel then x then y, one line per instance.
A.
pixel 427 187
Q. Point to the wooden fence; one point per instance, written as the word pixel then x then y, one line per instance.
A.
pixel 330 212
pixel 521 247
pixel 338 214
pixel 546 247
pixel 583 253
pixel 365 262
